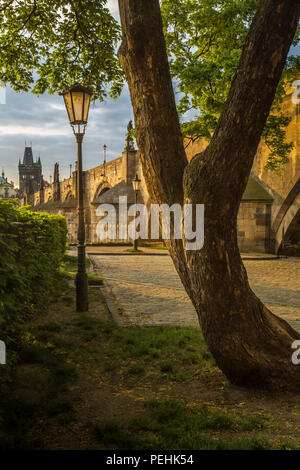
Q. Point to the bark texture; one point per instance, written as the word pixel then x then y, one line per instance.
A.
pixel 250 344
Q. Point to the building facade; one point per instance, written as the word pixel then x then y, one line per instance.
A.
pixel 7 190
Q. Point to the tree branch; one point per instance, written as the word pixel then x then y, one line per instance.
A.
pixel 152 96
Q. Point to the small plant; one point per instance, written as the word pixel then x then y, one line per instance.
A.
pixel 114 434
pixel 164 411
pixel 166 367
pixel 136 369
pixel 67 299
pixel 251 422
pixel 109 367
pixel 52 326
pixel 58 406
pixel 217 420
pixel 88 327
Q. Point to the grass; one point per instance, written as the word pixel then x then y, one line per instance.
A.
pixel 83 381
pixel 252 422
pixel 149 347
pixel 69 269
pixel 170 424
pixel 40 390
pixel 69 264
pixel 155 246
pixel 109 244
pixel 132 250
pixel 136 369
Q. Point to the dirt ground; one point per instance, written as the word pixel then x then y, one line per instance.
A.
pixel 110 387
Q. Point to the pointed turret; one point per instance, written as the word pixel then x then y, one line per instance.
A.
pixel 56 183
pixel 29 170
pixel 28 156
pixel 56 173
pixel 42 185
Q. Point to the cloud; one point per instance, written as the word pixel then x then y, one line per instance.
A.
pixel 43 121
pixel 30 130
pixel 113 6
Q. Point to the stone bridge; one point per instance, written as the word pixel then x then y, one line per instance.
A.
pixel 280 193
pixel 269 216
pixel 285 187
pixel 60 197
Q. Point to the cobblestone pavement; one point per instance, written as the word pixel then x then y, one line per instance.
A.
pixel 148 290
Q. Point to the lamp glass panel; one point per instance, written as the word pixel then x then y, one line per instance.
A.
pixel 87 99
pixel 136 184
pixel 77 97
pixel 68 104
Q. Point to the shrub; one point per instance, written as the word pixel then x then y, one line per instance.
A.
pixel 32 245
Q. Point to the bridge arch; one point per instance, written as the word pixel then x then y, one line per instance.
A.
pixel 291 242
pixel 69 195
pixel 102 188
pixel 285 223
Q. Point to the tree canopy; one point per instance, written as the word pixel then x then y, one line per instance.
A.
pixel 204 42
pixel 46 46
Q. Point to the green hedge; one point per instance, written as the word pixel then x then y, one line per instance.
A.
pixel 32 245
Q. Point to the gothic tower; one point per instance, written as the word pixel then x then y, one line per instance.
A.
pixel 30 172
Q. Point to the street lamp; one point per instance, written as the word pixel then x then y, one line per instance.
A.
pixel 104 160
pixel 77 101
pixel 136 186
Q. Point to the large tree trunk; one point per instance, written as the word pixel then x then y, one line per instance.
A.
pixel 250 344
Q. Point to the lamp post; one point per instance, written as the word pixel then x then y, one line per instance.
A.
pixel 77 101
pixel 136 186
pixel 104 160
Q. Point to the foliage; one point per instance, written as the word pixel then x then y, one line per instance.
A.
pixel 46 46
pixel 40 388
pixel 204 42
pixel 32 245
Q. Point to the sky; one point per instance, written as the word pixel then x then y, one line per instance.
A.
pixel 42 122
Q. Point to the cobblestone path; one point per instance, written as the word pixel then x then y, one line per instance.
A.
pixel 148 290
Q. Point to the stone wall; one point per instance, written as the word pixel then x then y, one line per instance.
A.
pixel 283 216
pixel 285 186
pixel 254 226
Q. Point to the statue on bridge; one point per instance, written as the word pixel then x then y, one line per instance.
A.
pixel 129 138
